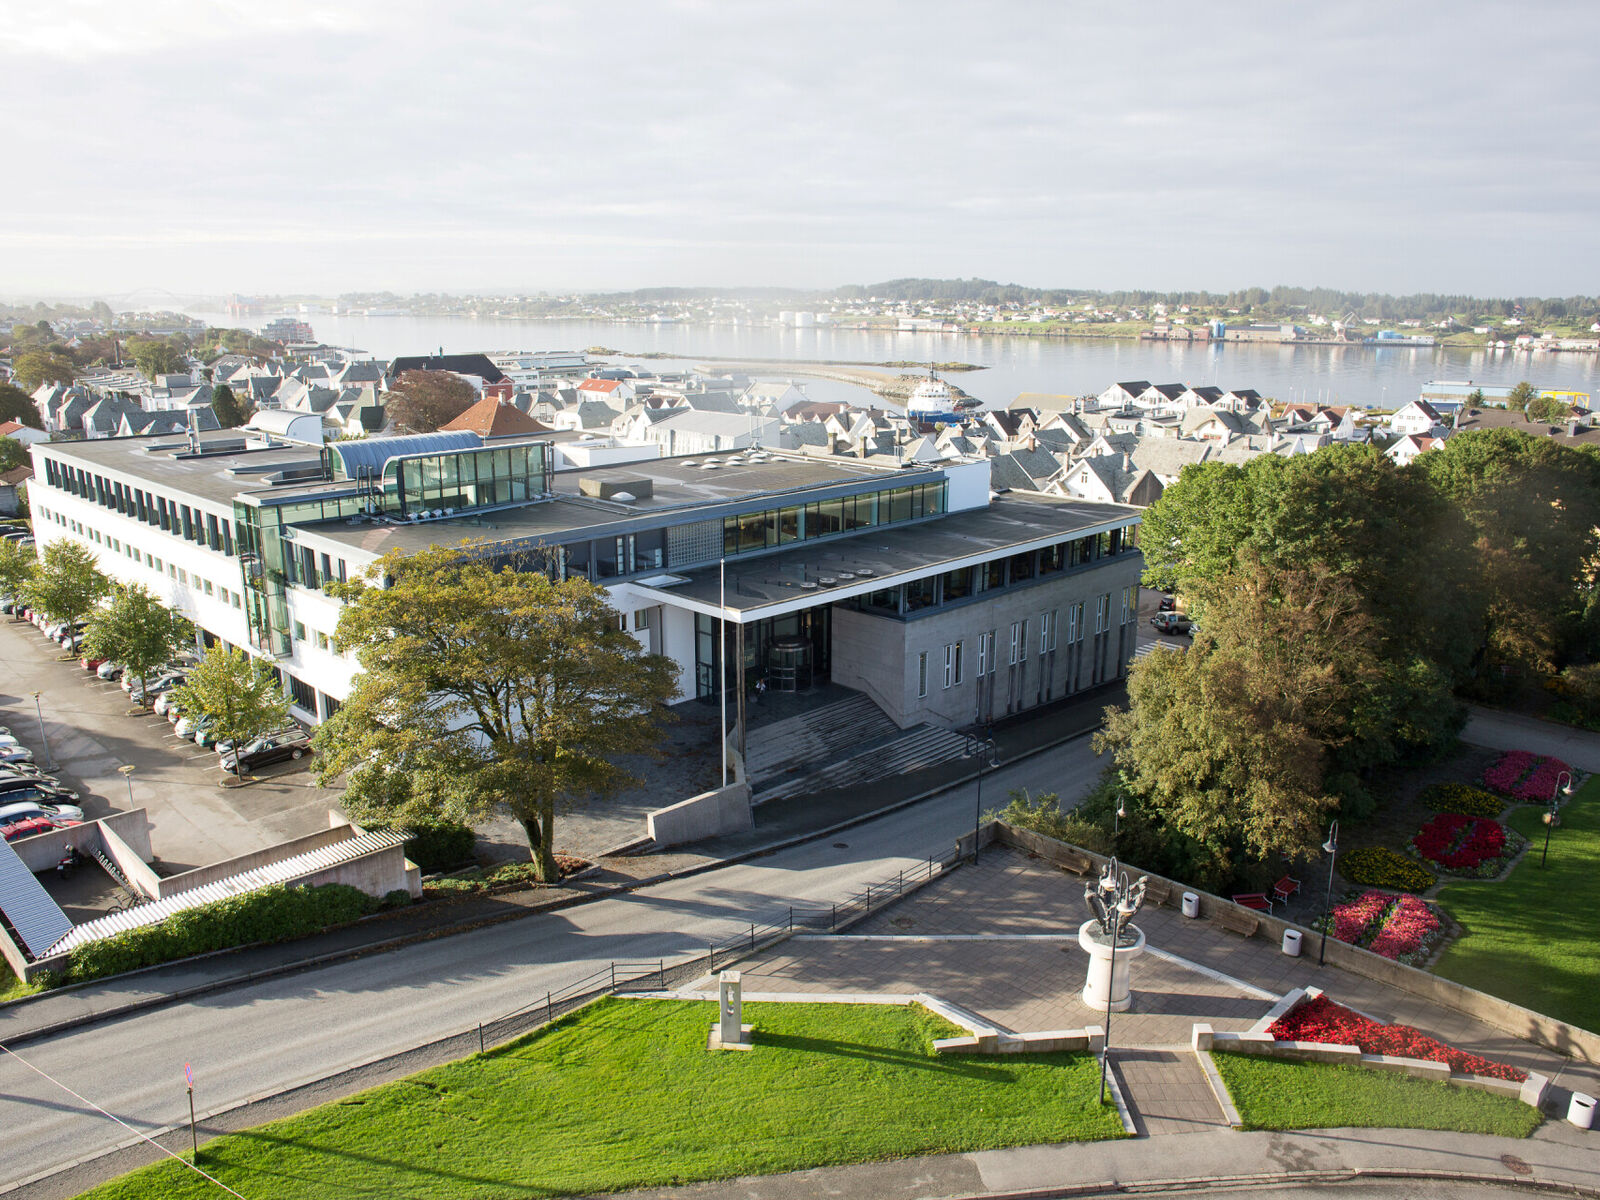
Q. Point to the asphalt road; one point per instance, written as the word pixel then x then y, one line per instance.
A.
pixel 260 1038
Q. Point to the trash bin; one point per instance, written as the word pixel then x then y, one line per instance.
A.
pixel 1581 1111
pixel 1191 904
pixel 1291 942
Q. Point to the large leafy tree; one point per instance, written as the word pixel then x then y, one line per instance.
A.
pixel 157 356
pixel 42 366
pixel 68 584
pixel 1236 742
pixel 17 565
pixel 1531 507
pixel 242 696
pixel 230 412
pixel 137 631
pixel 17 405
pixel 486 688
pixel 421 401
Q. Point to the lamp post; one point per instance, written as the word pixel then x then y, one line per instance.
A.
pixel 1116 825
pixel 1113 899
pixel 1331 849
pixel 988 755
pixel 38 711
pixel 127 773
pixel 1552 818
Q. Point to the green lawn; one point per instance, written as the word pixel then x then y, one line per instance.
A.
pixel 1530 938
pixel 625 1095
pixel 1273 1094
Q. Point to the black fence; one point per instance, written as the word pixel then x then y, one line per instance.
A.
pixel 662 973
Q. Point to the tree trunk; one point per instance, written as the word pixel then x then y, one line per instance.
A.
pixel 541 849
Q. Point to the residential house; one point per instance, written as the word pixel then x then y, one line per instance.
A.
pixel 25 435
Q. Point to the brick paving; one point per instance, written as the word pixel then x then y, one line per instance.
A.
pixel 1016 962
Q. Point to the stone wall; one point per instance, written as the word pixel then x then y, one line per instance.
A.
pixel 710 814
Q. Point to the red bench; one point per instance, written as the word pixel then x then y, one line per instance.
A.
pixel 1257 900
pixel 1284 888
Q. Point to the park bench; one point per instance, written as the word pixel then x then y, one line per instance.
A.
pixel 1077 862
pixel 1157 891
pixel 1240 919
pixel 1284 888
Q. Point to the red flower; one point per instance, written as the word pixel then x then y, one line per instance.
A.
pixel 1460 843
pixel 1321 1020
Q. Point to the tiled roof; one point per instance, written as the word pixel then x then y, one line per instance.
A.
pixel 490 417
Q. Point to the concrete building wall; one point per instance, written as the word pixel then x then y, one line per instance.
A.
pixel 882 656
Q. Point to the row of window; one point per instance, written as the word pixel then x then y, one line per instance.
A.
pixel 181 520
pixel 801 522
pixel 146 559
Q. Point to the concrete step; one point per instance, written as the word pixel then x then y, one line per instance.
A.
pixel 919 747
pixel 815 738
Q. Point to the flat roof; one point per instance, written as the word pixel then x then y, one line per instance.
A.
pixel 205 476
pixel 688 481
pixel 764 586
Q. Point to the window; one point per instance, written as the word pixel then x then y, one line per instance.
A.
pixel 237 600
pixel 1102 610
pixel 1019 638
pixel 952 664
pixel 1047 632
pixel 322 640
pixel 957 584
pixel 986 655
pixel 302 692
pixel 206 585
pixel 641 618
pixel 299 632
pixel 922 675
pixel 183 577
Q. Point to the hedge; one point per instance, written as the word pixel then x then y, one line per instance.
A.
pixel 440 845
pixel 1379 866
pixel 1462 798
pixel 273 914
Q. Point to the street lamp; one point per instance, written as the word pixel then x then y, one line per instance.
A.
pixel 38 711
pixel 1552 818
pixel 988 756
pixel 1331 849
pixel 1113 900
pixel 127 773
pixel 1122 811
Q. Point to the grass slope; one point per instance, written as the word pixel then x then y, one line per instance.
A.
pixel 1272 1094
pixel 1530 939
pixel 626 1095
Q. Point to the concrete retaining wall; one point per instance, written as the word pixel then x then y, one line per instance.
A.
pixel 1501 1014
pixel 175 885
pixel 710 814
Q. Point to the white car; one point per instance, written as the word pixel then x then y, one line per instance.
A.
pixel 108 670
pixel 190 725
pixel 38 808
pixel 160 706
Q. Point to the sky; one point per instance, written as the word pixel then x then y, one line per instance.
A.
pixel 302 146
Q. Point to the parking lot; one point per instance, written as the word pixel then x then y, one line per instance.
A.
pixel 194 819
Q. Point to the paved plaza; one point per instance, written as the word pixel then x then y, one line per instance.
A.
pixel 999 939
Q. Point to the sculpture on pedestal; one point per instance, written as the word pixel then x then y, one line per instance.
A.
pixel 1110 941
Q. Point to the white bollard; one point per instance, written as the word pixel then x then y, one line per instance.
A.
pixel 729 1033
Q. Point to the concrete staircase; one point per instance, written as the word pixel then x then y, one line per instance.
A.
pixel 846 744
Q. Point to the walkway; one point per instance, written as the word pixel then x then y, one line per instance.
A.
pixel 1514 731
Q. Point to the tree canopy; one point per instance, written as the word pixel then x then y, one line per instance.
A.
pixel 421 401
pixel 17 405
pixel 230 412
pixel 242 696
pixel 17 565
pixel 137 631
pixel 157 356
pixel 38 367
pixel 68 584
pixel 485 688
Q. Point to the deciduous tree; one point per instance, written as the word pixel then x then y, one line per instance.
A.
pixel 17 565
pixel 137 631
pixel 485 689
pixel 17 405
pixel 421 401
pixel 242 697
pixel 230 413
pixel 41 366
pixel 68 584
pixel 157 356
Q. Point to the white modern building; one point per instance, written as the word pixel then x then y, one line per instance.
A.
pixel 909 583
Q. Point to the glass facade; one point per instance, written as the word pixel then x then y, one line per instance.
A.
pixel 776 527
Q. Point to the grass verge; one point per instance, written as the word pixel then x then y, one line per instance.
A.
pixel 12 988
pixel 1529 938
pixel 1273 1094
pixel 625 1095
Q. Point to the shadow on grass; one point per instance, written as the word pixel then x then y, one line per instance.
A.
pixel 957 1065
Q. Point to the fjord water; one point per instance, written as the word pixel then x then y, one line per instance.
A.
pixel 1361 375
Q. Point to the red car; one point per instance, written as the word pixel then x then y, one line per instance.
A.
pixel 91 664
pixel 31 826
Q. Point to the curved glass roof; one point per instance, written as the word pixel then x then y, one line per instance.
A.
pixel 369 455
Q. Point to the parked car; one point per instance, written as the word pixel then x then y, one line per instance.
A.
pixel 162 681
pixel 108 670
pixel 190 723
pixel 1169 603
pixel 276 747
pixel 163 702
pixel 15 754
pixel 174 712
pixel 1171 622
pixel 90 663
pixel 19 776
pixel 30 826
pixel 33 807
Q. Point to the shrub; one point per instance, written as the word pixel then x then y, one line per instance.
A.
pixel 273 914
pixel 440 845
pixel 1042 814
pixel 1462 798
pixel 1379 866
pixel 399 898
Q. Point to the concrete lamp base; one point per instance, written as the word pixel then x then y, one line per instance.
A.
pixel 715 1042
pixel 1102 991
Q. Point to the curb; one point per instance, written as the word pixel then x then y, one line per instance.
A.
pixel 334 956
pixel 1212 1183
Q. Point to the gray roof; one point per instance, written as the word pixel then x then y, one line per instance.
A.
pixel 372 454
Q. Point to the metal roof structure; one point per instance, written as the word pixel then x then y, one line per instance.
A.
pixel 287 871
pixel 369 455
pixel 32 912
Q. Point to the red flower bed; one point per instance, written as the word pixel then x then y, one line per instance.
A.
pixel 1321 1020
pixel 1525 777
pixel 1460 843
pixel 1350 921
pixel 1393 926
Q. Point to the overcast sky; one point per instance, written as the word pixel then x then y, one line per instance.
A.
pixel 336 145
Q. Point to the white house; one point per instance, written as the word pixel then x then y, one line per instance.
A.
pixel 1418 417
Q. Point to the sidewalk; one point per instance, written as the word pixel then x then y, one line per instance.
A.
pixel 788 822
pixel 1556 1155
pixel 1514 731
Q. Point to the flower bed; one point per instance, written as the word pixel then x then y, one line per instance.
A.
pixel 1319 1019
pixel 1462 798
pixel 1398 927
pixel 1525 777
pixel 1466 845
pixel 1379 866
